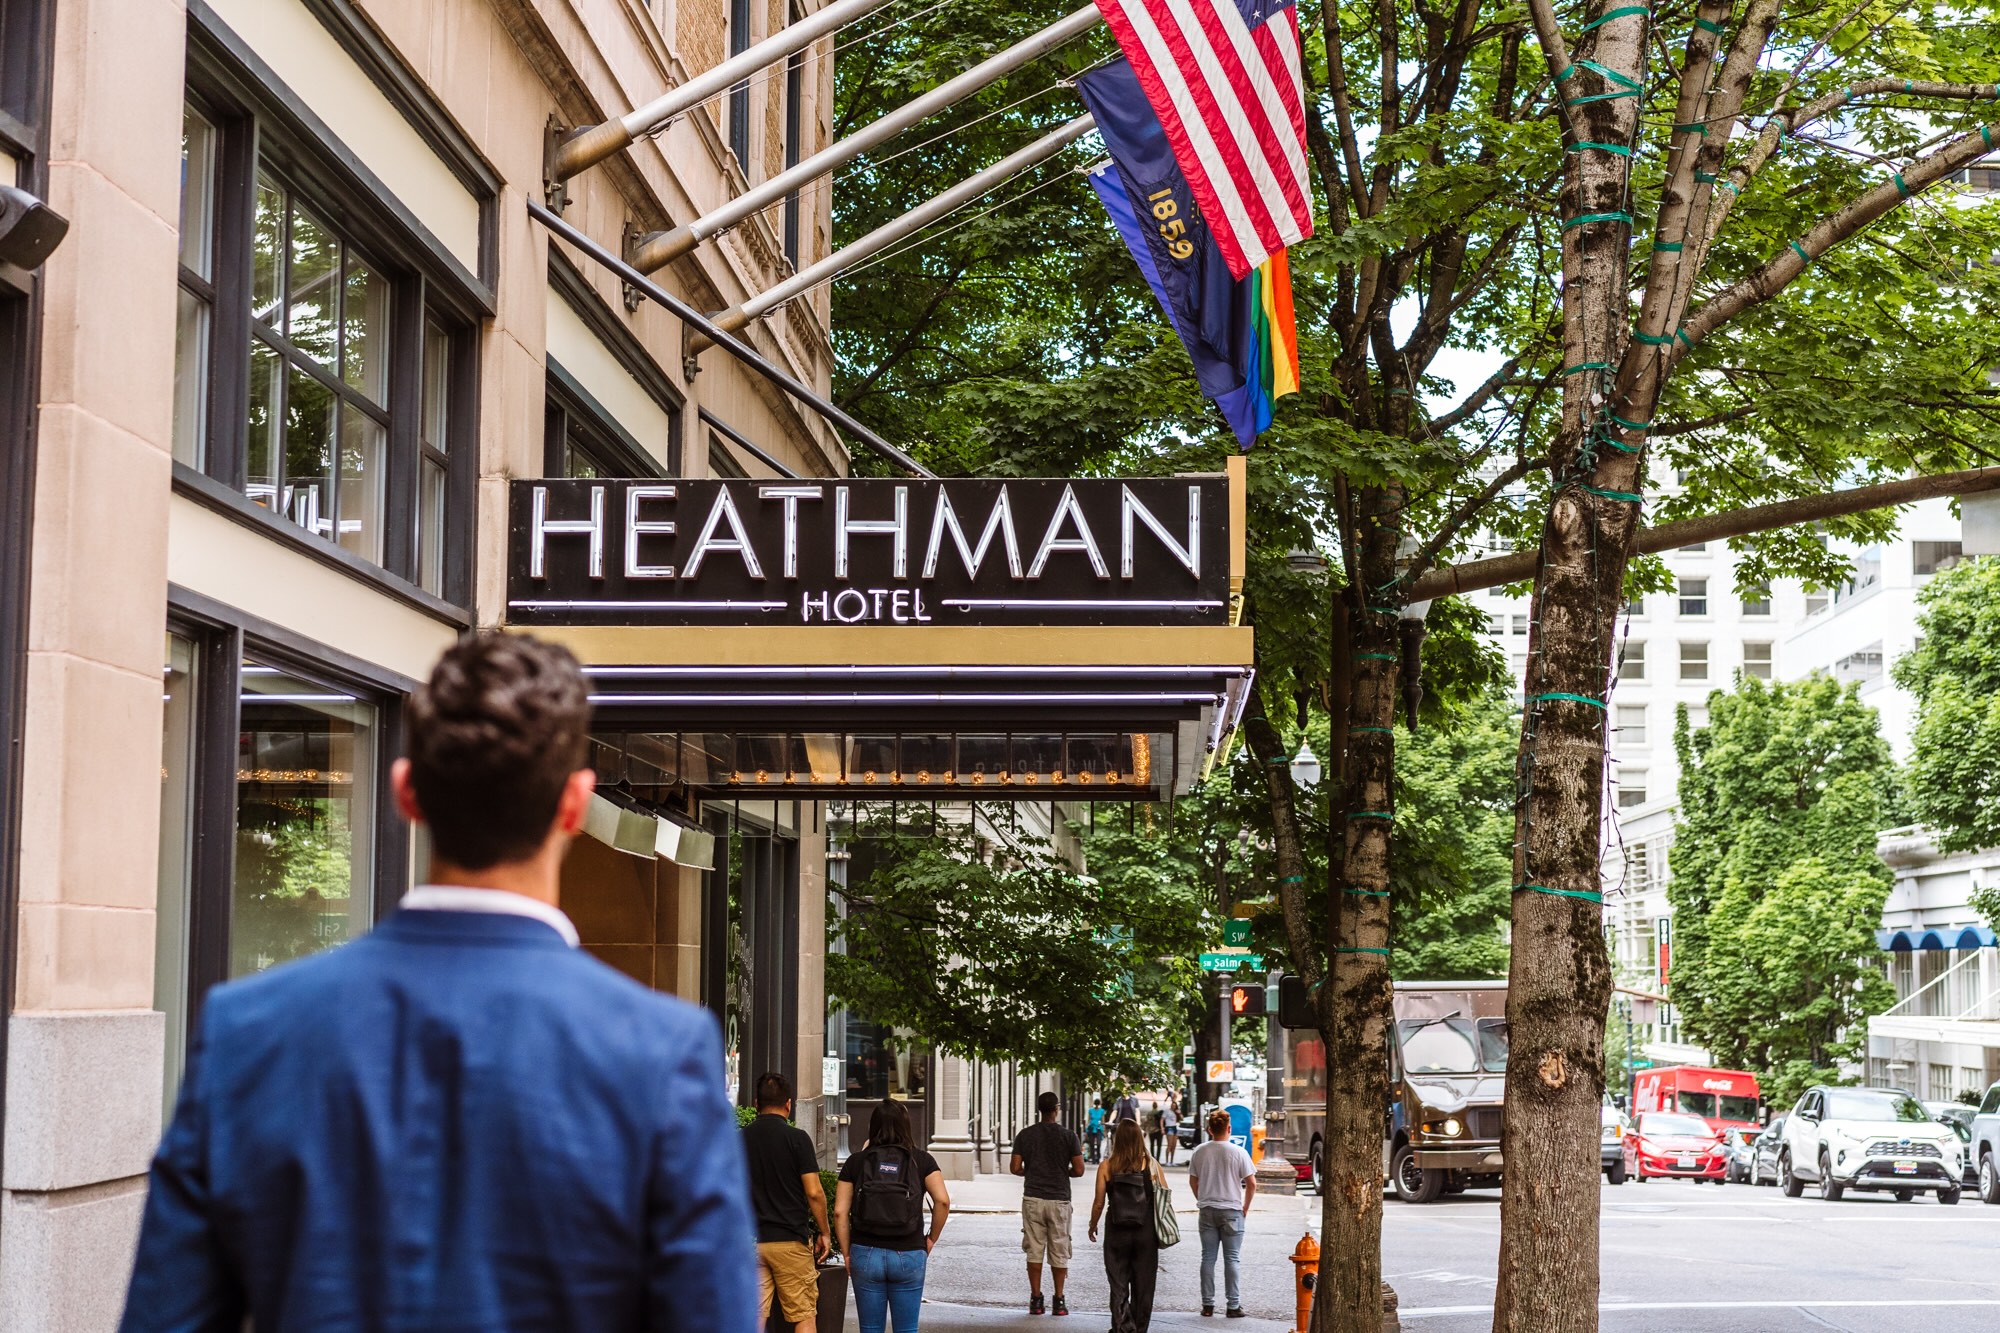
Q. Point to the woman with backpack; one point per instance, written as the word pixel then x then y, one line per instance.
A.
pixel 878 1214
pixel 1129 1183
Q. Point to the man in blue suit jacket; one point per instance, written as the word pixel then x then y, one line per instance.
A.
pixel 459 1121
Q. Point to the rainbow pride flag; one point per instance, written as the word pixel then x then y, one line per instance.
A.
pixel 1240 334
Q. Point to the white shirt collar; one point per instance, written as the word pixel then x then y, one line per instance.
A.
pixel 454 898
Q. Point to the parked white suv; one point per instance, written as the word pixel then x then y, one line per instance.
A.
pixel 1868 1139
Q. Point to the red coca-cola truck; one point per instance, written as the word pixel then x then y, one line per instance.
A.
pixel 1725 1098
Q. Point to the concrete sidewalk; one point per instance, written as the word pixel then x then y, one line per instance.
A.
pixel 948 1317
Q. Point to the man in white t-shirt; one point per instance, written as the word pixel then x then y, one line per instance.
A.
pixel 1224 1182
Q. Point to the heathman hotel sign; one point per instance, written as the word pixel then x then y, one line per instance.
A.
pixel 1152 551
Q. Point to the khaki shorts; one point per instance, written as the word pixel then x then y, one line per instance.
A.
pixel 787 1267
pixel 1045 1225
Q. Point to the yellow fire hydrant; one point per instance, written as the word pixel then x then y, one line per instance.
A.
pixel 1305 1271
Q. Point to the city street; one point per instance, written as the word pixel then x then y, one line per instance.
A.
pixel 1693 1258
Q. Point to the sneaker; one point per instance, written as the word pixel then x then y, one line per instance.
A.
pixel 1035 1303
pixel 1061 1306
pixel 1236 1314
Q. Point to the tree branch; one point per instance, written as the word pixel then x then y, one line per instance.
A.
pixel 1519 565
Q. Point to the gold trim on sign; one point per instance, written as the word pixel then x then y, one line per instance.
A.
pixel 901 645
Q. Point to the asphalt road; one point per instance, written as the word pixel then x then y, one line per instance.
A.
pixel 1676 1255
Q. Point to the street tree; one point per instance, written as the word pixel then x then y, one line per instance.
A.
pixel 1954 671
pixel 1776 886
pixel 1492 204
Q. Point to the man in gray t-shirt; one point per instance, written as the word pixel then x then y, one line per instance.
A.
pixel 1224 1182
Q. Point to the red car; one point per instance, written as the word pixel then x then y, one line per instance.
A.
pixel 1672 1143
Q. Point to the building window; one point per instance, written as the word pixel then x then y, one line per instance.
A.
pixel 1940 1083
pixel 1694 597
pixel 1860 667
pixel 581 439
pixel 1971 1080
pixel 275 841
pixel 1631 720
pixel 1816 601
pixel 1496 624
pixel 1757 601
pixel 1757 660
pixel 318 372
pixel 1632 661
pixel 1520 624
pixel 1638 868
pixel 795 93
pixel 199 144
pixel 1934 557
pixel 1694 548
pixel 1631 788
pixel 1694 661
pixel 739 96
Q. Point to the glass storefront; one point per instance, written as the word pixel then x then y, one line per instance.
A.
pixel 304 819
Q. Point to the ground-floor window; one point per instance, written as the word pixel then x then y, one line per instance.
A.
pixel 277 838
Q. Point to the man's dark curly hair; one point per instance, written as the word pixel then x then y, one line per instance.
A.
pixel 494 735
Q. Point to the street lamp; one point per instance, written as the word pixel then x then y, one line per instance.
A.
pixel 1305 766
pixel 1410 622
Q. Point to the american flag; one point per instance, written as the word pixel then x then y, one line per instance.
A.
pixel 1223 77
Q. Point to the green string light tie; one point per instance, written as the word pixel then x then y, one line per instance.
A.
pixel 1587 895
pixel 1692 129
pixel 1582 366
pixel 1709 25
pixel 1368 893
pixel 1610 443
pixel 1339 949
pixel 1386 731
pixel 1705 177
pixel 1909 87
pixel 1387 610
pixel 1622 12
pixel 1629 425
pixel 1276 763
pixel 1293 879
pixel 1613 75
pixel 1369 814
pixel 1800 251
pixel 1584 146
pixel 1379 657
pixel 1566 75
pixel 1654 339
pixel 1623 497
pixel 1668 247
pixel 1601 97
pixel 1901 188
pixel 1985 136
pixel 1729 184
pixel 1589 218
pixel 1567 698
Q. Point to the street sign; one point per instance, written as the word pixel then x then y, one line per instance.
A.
pixel 832 1076
pixel 1236 932
pixel 1231 960
pixel 1221 1071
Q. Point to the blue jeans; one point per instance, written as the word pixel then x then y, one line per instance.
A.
pixel 888 1283
pixel 1221 1228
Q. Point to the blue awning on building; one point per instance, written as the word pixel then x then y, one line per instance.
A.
pixel 1917 939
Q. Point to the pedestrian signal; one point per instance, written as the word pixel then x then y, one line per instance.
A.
pixel 1246 1000
pixel 1295 1003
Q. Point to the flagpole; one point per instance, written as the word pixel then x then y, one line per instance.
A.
pixel 591 144
pixel 657 249
pixel 737 316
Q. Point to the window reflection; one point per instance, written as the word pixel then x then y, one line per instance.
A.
pixel 177 779
pixel 304 819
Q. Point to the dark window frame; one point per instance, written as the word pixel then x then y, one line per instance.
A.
pixel 739 95
pixel 573 420
pixel 262 127
pixel 27 62
pixel 795 82
pixel 223 636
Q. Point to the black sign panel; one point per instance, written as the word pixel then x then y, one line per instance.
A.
pixel 1153 551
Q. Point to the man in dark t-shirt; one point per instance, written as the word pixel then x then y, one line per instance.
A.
pixel 790 1205
pixel 1046 1157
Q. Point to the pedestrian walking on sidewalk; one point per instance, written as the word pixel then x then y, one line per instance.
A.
pixel 1096 1133
pixel 878 1214
pixel 1127 1108
pixel 1047 1157
pixel 1156 1131
pixel 1170 1128
pixel 458 1120
pixel 1224 1182
pixel 790 1203
pixel 1125 1183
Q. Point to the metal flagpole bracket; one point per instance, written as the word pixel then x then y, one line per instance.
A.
pixel 555 191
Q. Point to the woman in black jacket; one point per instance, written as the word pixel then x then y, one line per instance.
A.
pixel 1125 1181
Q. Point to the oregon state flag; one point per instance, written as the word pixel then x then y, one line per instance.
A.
pixel 1240 334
